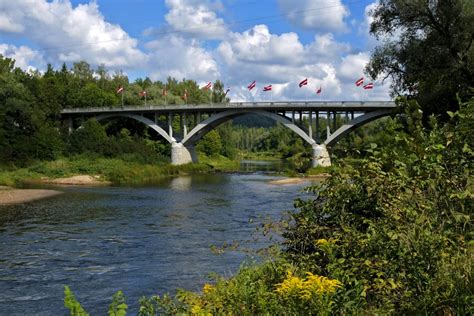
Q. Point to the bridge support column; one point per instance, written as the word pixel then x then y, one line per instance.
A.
pixel 320 156
pixel 181 154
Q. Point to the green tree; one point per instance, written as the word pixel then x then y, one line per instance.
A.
pixel 91 137
pixel 210 144
pixel 26 133
pixel 427 50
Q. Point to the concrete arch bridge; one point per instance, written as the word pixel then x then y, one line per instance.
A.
pixel 196 120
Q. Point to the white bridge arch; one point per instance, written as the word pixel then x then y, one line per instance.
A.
pixel 207 117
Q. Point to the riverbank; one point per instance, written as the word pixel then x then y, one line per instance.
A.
pixel 10 195
pixel 83 170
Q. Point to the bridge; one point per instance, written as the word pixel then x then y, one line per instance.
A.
pixel 196 120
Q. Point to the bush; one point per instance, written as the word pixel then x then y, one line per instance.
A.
pixel 396 232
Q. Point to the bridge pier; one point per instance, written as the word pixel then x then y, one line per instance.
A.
pixel 320 156
pixel 181 154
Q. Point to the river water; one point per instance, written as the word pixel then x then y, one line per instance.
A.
pixel 141 240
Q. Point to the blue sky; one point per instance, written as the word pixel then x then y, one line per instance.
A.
pixel 276 42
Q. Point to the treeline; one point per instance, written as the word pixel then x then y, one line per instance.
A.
pixel 31 128
pixel 30 104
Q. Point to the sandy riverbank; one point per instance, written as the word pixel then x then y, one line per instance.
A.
pixel 76 180
pixel 289 181
pixel 13 196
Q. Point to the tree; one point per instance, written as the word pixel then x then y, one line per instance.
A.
pixel 91 137
pixel 26 133
pixel 210 144
pixel 427 50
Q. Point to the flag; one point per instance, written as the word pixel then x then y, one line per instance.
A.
pixel 252 85
pixel 165 92
pixel 369 86
pixel 120 89
pixel 226 91
pixel 360 81
pixel 303 82
pixel 319 90
pixel 143 93
pixel 208 86
pixel 185 95
pixel 267 88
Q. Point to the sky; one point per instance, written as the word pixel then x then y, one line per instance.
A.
pixel 277 42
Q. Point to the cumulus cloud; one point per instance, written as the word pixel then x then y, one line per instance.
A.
pixel 180 58
pixel 240 57
pixel 68 33
pixel 196 18
pixel 24 57
pixel 316 15
pixel 283 60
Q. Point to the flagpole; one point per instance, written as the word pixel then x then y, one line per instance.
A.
pixel 122 96
pixel 145 98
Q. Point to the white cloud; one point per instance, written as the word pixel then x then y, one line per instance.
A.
pixel 68 33
pixel 316 15
pixel 180 58
pixel 196 18
pixel 352 66
pixel 255 54
pixel 24 57
pixel 282 60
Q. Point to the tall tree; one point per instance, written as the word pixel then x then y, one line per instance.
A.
pixel 427 50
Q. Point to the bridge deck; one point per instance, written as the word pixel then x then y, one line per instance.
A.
pixel 269 106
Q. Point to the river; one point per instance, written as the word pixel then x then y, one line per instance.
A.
pixel 143 240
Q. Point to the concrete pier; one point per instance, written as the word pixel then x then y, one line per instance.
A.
pixel 181 154
pixel 321 156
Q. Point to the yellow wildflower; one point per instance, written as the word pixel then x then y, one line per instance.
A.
pixel 196 309
pixel 321 242
pixel 320 285
pixel 306 288
pixel 291 284
pixel 208 288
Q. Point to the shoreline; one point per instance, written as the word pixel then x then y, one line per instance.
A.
pixel 298 180
pixel 10 196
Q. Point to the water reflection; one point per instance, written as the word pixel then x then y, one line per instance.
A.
pixel 181 183
pixel 264 165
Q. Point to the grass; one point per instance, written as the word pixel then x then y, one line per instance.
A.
pixel 115 170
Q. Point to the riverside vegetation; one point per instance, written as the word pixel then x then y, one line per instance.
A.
pixel 392 237
pixel 390 231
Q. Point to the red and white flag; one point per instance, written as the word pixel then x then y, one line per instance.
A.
pixel 252 85
pixel 185 95
pixel 369 86
pixel 359 82
pixel 120 89
pixel 267 88
pixel 226 91
pixel 319 91
pixel 303 82
pixel 143 93
pixel 208 86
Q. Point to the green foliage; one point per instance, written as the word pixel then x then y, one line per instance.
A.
pixel 396 232
pixel 70 302
pixel 411 29
pixel 118 306
pixel 26 130
pixel 210 144
pixel 91 137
